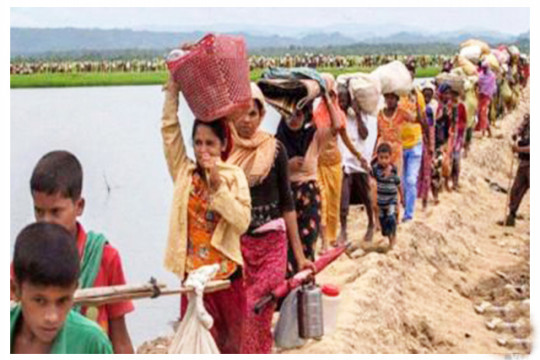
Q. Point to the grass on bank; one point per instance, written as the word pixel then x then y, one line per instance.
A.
pixel 146 78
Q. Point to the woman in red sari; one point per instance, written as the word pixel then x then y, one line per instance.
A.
pixel 273 221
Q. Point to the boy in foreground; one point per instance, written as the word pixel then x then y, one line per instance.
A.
pixel 56 186
pixel 388 188
pixel 46 268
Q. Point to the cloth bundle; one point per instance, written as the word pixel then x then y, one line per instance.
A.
pixel 484 47
pixel 394 78
pixel 467 66
pixel 471 53
pixel 289 90
pixel 364 88
pixel 193 335
pixel 455 79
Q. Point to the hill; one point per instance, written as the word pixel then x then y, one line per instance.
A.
pixel 75 42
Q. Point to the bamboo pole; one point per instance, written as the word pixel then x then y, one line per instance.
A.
pixel 112 294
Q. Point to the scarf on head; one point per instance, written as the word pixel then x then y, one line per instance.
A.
pixel 296 142
pixel 255 155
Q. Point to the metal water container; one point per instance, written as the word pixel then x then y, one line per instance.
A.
pixel 310 312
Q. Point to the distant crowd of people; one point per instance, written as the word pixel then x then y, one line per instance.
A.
pixel 255 62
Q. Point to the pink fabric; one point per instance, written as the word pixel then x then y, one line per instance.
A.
pixel 487 83
pixel 424 176
pixel 274 225
pixel 227 307
pixel 265 265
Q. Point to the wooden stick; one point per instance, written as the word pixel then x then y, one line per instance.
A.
pixel 113 294
pixel 95 292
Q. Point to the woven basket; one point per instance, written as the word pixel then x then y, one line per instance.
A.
pixel 214 76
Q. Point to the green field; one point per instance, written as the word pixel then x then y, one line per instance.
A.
pixel 147 78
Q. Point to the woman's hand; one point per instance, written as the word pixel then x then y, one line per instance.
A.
pixel 295 163
pixel 209 164
pixel 214 180
pixel 305 264
pixel 363 162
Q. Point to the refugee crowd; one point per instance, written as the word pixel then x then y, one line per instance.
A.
pixel 263 206
pixel 255 62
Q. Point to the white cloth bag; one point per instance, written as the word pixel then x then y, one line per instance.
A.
pixel 193 334
pixel 394 78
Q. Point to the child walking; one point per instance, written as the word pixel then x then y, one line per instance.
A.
pixel 388 188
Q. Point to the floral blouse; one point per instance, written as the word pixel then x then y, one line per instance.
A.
pixel 201 225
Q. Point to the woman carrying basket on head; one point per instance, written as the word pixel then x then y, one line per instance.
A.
pixel 211 209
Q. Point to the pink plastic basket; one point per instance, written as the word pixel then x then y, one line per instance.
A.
pixel 214 76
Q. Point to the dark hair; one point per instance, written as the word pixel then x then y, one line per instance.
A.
pixel 384 148
pixel 308 111
pixel 46 254
pixel 342 90
pixel 395 95
pixel 58 172
pixel 259 105
pixel 220 128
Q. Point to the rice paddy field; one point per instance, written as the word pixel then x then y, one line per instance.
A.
pixel 81 79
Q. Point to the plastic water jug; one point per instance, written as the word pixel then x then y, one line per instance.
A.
pixel 331 298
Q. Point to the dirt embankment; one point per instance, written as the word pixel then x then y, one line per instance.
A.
pixel 420 296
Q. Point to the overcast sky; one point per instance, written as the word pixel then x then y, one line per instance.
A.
pixel 507 20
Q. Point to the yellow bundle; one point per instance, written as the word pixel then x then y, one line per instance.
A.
pixel 506 92
pixel 468 67
pixel 471 102
pixel 493 62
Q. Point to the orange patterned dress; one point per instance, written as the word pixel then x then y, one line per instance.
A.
pixel 389 131
pixel 201 225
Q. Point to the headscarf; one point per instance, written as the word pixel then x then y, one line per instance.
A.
pixel 297 141
pixel 255 155
pixel 444 87
pixel 427 85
